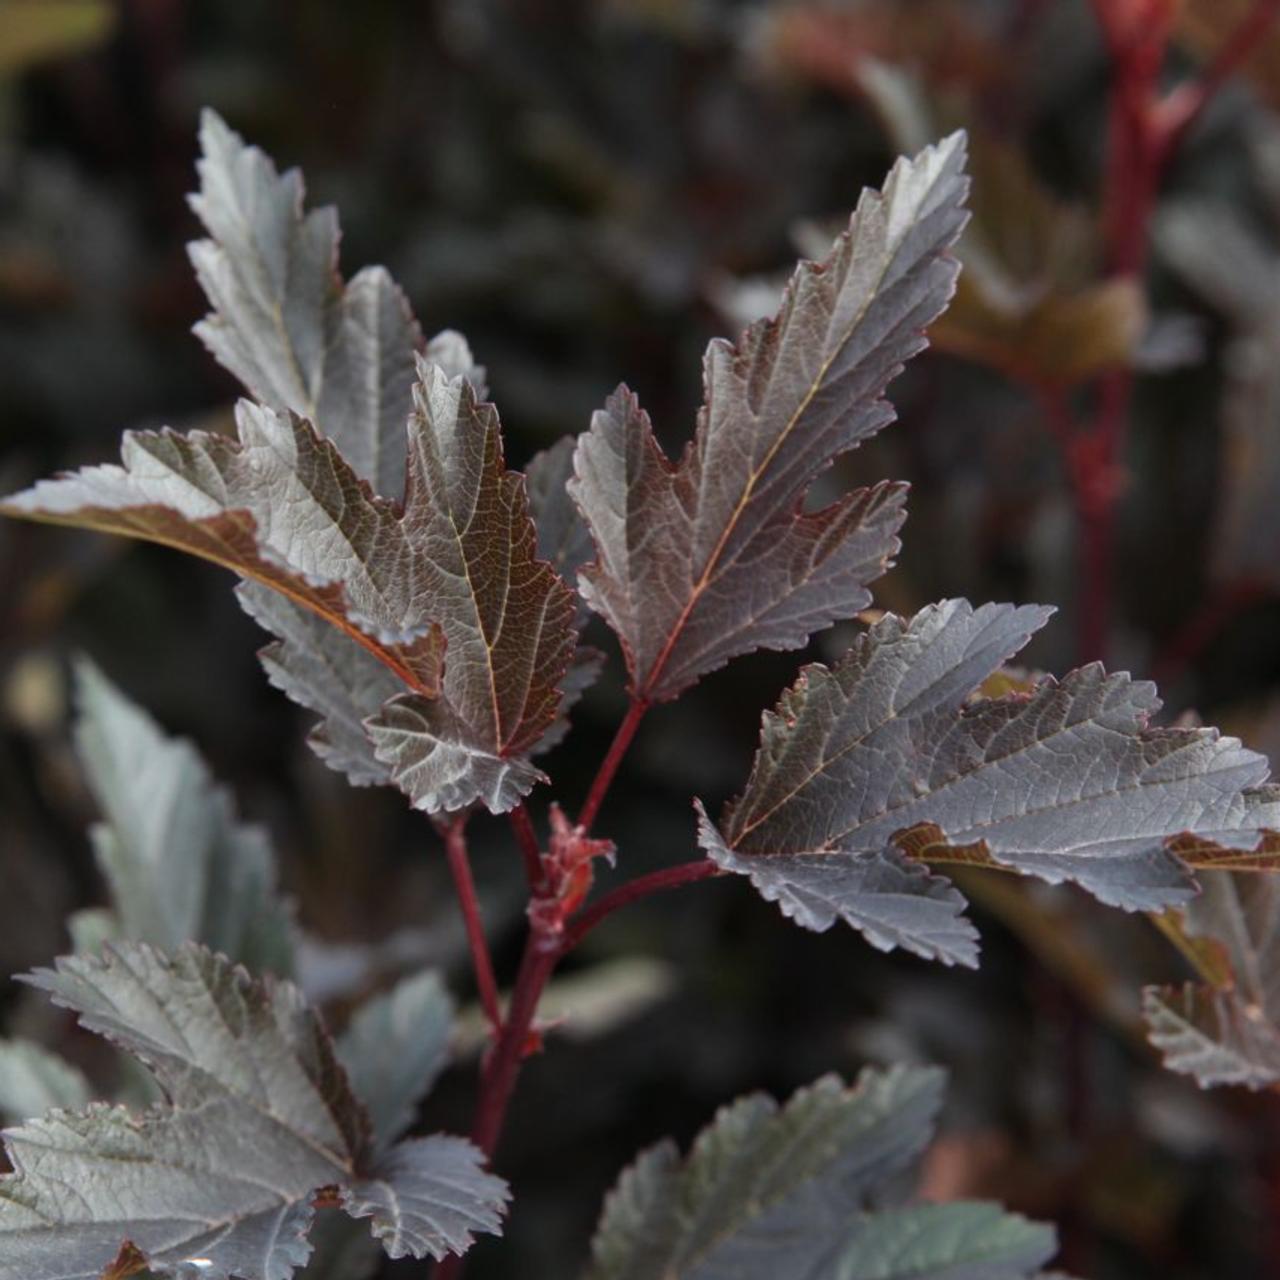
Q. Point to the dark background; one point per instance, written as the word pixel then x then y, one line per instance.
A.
pixel 576 186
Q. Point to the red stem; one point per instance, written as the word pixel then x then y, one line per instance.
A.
pixel 500 1071
pixel 1182 107
pixel 613 758
pixel 455 847
pixel 527 841
pixel 501 1068
pixel 1201 629
pixel 633 891
pixel 1143 129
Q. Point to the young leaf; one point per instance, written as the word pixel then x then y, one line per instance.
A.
pixel 179 867
pixel 769 1191
pixel 396 1046
pixel 507 617
pixel 279 505
pixel 888 755
pixel 259 1117
pixel 1226 1033
pixel 282 321
pixel 714 557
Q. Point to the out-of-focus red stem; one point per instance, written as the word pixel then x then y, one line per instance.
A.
pixel 1143 130
pixel 1202 628
pixel 609 765
pixel 1182 107
pixel 455 847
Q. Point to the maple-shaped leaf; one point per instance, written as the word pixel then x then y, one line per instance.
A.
pixel 1227 1031
pixel 178 865
pixel 278 504
pixel 456 564
pixel 769 1191
pixel 219 1179
pixel 890 756
pixel 284 323
pixel 715 556
pixel 507 617
pixel 323 670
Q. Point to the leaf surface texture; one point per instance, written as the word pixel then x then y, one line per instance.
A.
pixel 890 758
pixel 218 1179
pixel 716 556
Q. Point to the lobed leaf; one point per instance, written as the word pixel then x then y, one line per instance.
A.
pixel 457 565
pixel 178 865
pixel 324 671
pixel 890 757
pixel 283 322
pixel 507 617
pixel 769 1191
pixel 715 556
pixel 1227 1031
pixel 258 1119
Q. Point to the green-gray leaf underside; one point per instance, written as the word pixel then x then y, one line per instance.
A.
pixel 889 754
pixel 429 1196
pixel 178 865
pixel 1230 1034
pixel 320 668
pixel 769 1191
pixel 958 1241
pixel 33 1081
pixel 341 356
pixel 394 1049
pixel 259 1117
pixel 715 556
pixel 219 1179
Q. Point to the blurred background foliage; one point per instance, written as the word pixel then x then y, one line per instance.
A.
pixel 590 191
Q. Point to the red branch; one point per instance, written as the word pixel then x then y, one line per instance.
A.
pixel 1202 628
pixel 1181 108
pixel 527 840
pixel 633 891
pixel 609 765
pixel 519 1037
pixel 455 847
pixel 1143 130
